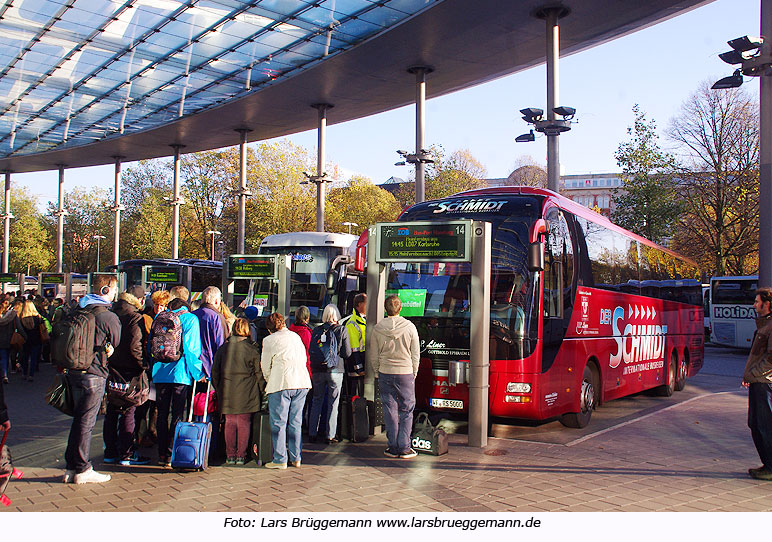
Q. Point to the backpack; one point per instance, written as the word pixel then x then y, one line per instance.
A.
pixel 324 347
pixel 166 337
pixel 73 340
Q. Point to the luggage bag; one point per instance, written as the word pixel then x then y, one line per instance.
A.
pixel 354 422
pixel 191 441
pixel 261 444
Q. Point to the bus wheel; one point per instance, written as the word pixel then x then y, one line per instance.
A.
pixel 580 419
pixel 666 390
pixel 683 370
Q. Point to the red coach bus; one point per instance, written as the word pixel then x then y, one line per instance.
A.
pixel 610 314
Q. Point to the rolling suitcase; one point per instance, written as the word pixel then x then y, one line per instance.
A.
pixel 191 440
pixel 261 442
pixel 360 421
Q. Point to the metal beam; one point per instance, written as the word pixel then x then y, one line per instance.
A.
pixel 765 153
pixel 7 221
pixel 175 203
pixel 60 212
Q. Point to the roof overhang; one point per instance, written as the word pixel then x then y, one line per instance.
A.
pixel 466 43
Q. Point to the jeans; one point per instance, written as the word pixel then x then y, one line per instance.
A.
pixel 5 356
pixel 760 420
pixel 118 432
pixel 331 383
pixel 237 427
pixel 169 397
pixel 30 358
pixel 87 391
pixel 398 398
pixel 286 414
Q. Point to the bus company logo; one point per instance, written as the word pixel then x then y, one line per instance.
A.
pixel 585 306
pixel 550 398
pixel 636 342
pixel 468 205
pixel 734 312
pixel 403 231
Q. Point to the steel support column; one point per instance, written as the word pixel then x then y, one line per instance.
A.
pixel 420 129
pixel 116 209
pixel 175 203
pixel 765 158
pixel 551 16
pixel 7 221
pixel 60 212
pixel 242 192
pixel 320 179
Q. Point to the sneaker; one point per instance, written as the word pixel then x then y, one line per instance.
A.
pixel 110 460
pixel 273 465
pixel 761 473
pixel 165 462
pixel 332 440
pixel 230 461
pixel 135 459
pixel 91 477
pixel 5 380
pixel 388 453
pixel 295 464
pixel 411 453
pixel 240 461
pixel 69 476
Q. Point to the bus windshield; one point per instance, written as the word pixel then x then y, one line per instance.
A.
pixel 436 295
pixel 734 291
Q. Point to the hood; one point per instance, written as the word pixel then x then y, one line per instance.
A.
pixel 92 299
pixel 395 323
pixel 122 306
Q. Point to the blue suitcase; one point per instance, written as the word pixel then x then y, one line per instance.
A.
pixel 192 439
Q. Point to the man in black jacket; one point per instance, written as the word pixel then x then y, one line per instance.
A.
pixel 128 361
pixel 88 386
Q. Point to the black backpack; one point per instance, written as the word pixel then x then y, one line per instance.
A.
pixel 324 349
pixel 73 338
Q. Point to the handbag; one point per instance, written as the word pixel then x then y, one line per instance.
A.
pixel 59 394
pixel 124 393
pixel 199 403
pixel 17 340
pixel 428 439
pixel 43 332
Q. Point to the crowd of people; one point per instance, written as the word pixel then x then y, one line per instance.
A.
pixel 254 370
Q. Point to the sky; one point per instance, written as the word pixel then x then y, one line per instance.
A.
pixel 659 68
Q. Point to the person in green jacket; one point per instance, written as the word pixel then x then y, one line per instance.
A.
pixel 356 326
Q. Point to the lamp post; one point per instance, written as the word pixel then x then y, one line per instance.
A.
pixel 98 238
pixel 349 224
pixel 213 233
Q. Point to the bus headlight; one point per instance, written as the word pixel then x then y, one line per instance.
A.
pixel 518 387
pixel 517 399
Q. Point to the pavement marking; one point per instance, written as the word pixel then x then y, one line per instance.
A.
pixel 628 422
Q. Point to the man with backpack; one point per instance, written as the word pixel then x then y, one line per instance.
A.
pixel 81 342
pixel 329 343
pixel 175 347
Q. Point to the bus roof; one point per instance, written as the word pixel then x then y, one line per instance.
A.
pixel 569 205
pixel 309 239
pixel 744 277
pixel 170 262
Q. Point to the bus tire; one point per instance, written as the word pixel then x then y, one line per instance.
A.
pixel 667 389
pixel 683 371
pixel 587 401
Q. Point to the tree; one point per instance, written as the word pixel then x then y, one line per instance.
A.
pixel 717 132
pixel 146 229
pixel 446 176
pixel 30 248
pixel 528 173
pixel 361 202
pixel 646 203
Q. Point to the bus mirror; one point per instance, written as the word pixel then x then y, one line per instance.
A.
pixel 536 256
pixel 361 259
pixel 331 280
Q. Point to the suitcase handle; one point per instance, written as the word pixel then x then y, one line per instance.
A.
pixel 5 436
pixel 206 401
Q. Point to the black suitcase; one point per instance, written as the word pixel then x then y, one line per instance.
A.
pixel 360 421
pixel 261 443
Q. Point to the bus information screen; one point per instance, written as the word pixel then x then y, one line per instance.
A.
pixel 52 278
pixel 168 275
pixel 447 241
pixel 9 278
pixel 242 266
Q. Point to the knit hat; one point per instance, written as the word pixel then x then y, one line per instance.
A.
pixel 251 312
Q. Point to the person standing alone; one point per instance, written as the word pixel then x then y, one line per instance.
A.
pixel 758 379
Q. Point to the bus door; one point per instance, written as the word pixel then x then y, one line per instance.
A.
pixel 558 296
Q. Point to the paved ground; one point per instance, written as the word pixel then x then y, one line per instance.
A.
pixel 689 452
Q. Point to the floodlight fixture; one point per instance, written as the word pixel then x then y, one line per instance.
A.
pixel 399 163
pixel 526 138
pixel 565 111
pixel 733 81
pixel 735 57
pixel 402 153
pixel 746 43
pixel 532 114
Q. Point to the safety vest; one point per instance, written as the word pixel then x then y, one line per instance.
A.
pixel 356 326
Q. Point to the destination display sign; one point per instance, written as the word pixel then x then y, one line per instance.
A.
pixel 52 278
pixel 167 275
pixel 244 266
pixel 441 241
pixel 9 278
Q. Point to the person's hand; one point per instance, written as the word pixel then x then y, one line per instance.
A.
pixel 5 426
pixel 745 384
pixel 109 349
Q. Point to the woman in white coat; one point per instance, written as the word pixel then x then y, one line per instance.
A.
pixel 283 362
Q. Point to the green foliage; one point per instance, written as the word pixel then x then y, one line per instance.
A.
pixel 361 202
pixel 646 203
pixel 29 248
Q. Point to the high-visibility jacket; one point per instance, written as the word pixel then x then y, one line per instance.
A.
pixel 356 326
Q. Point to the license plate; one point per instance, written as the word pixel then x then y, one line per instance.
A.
pixel 447 403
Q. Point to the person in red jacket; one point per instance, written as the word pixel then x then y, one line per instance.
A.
pixel 301 327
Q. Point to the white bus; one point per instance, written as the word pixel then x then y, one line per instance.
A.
pixel 732 317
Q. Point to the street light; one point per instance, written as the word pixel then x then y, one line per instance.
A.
pixel 98 238
pixel 213 233
pixel 349 224
pixel 548 127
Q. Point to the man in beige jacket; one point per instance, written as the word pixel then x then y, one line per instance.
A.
pixel 395 343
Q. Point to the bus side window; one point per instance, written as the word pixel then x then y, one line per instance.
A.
pixel 553 268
